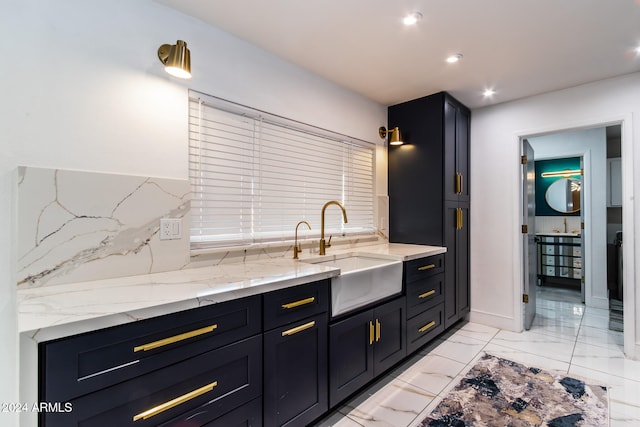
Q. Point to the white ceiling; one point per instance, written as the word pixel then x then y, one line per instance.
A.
pixel 517 47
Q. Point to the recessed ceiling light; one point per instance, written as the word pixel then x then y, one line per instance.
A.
pixel 454 58
pixel 412 18
pixel 638 50
pixel 488 93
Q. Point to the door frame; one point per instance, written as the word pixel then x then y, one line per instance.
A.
pixel 631 345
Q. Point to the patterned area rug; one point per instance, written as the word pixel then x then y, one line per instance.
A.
pixel 498 392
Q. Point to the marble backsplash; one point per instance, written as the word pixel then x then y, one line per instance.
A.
pixel 76 226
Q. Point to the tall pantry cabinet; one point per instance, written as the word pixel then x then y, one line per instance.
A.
pixel 429 188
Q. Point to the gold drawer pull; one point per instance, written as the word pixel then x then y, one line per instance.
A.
pixel 426 267
pixel 174 402
pixel 174 339
pixel 427 326
pixel 299 303
pixel 371 332
pixel 377 330
pixel 427 294
pixel 299 328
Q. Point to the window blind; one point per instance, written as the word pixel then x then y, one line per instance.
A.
pixel 254 176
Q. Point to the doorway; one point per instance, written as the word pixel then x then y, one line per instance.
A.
pixel 590 144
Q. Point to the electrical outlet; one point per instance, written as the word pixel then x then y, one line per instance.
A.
pixel 170 228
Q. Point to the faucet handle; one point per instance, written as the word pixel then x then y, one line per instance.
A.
pixel 328 244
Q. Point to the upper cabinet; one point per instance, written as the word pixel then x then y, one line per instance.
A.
pixel 430 168
pixel 456 151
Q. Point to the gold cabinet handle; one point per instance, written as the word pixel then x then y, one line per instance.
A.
pixel 426 267
pixel 377 330
pixel 371 332
pixel 458 183
pixel 299 303
pixel 174 402
pixel 427 326
pixel 458 219
pixel 427 294
pixel 174 339
pixel 299 328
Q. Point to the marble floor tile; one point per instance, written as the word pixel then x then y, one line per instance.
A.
pixel 459 347
pixel 529 359
pixel 396 404
pixel 432 373
pixel 609 360
pixel 477 331
pixel 601 337
pixel 556 348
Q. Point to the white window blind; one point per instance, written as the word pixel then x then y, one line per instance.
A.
pixel 254 176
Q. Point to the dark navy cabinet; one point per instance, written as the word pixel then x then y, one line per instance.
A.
pixel 363 346
pixel 429 188
pixel 193 365
pixel 424 284
pixel 295 355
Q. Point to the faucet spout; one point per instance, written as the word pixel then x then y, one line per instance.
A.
pixel 296 248
pixel 323 243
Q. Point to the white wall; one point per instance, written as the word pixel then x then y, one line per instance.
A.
pixel 87 92
pixel 591 144
pixel 496 263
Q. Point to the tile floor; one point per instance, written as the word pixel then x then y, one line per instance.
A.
pixel 566 337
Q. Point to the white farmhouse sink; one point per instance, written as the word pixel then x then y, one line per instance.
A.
pixel 362 280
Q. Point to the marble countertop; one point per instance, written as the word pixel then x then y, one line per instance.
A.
pixel 53 312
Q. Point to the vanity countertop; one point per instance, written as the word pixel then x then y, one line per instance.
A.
pixel 52 312
pixel 558 234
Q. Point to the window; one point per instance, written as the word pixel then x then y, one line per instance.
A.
pixel 254 176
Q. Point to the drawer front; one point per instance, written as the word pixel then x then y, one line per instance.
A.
pixel 424 327
pixel 296 303
pixel 210 385
pixel 418 269
pixel 247 415
pixel 424 294
pixel 86 363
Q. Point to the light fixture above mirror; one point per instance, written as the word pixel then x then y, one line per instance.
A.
pixel 176 59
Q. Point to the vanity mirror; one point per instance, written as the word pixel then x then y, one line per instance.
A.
pixel 564 195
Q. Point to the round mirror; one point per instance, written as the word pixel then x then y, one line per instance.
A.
pixel 564 195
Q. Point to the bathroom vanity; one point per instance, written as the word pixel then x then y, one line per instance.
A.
pixel 560 259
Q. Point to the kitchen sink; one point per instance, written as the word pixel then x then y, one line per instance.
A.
pixel 363 280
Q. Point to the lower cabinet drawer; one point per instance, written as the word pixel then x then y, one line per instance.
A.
pixel 82 364
pixel 293 304
pixel 424 294
pixel 424 327
pixel 247 415
pixel 206 386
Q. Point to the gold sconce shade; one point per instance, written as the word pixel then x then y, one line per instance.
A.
pixel 176 59
pixel 395 138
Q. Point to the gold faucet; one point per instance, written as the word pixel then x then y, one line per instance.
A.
pixel 324 245
pixel 296 248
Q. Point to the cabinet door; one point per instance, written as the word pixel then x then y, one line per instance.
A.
pixel 295 372
pixel 350 355
pixel 456 260
pixel 462 262
pixel 456 151
pixel 462 152
pixel 390 344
